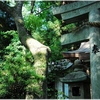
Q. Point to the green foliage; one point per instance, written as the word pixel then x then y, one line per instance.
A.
pixel 63 96
pixel 16 65
pixel 17 74
pixel 47 32
pixel 46 29
pixel 33 22
pixel 69 27
pixel 5 39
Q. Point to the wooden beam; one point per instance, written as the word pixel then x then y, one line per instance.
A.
pixel 76 36
pixel 81 56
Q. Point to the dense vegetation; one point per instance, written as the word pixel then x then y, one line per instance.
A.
pixel 17 74
pixel 18 77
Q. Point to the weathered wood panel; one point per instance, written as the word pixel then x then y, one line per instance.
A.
pixel 76 36
pixel 81 56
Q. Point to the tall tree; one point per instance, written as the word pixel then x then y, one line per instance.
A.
pixel 38 50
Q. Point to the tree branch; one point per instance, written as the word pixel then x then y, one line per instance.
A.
pixel 32 6
pixel 38 50
pixel 18 6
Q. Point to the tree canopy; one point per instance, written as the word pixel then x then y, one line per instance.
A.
pixel 29 39
pixel 39 31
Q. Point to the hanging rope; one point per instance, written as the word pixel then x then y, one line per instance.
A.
pixel 97 24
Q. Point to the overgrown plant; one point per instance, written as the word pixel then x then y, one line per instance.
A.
pixel 17 74
pixel 18 62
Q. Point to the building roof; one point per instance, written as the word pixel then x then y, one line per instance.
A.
pixel 76 76
pixel 83 53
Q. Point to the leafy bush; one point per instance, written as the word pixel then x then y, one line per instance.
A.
pixel 17 73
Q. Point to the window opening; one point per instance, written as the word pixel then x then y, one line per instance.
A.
pixel 76 91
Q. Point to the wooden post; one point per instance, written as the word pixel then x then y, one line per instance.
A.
pixel 94 16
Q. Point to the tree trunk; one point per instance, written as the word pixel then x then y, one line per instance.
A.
pixel 38 50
